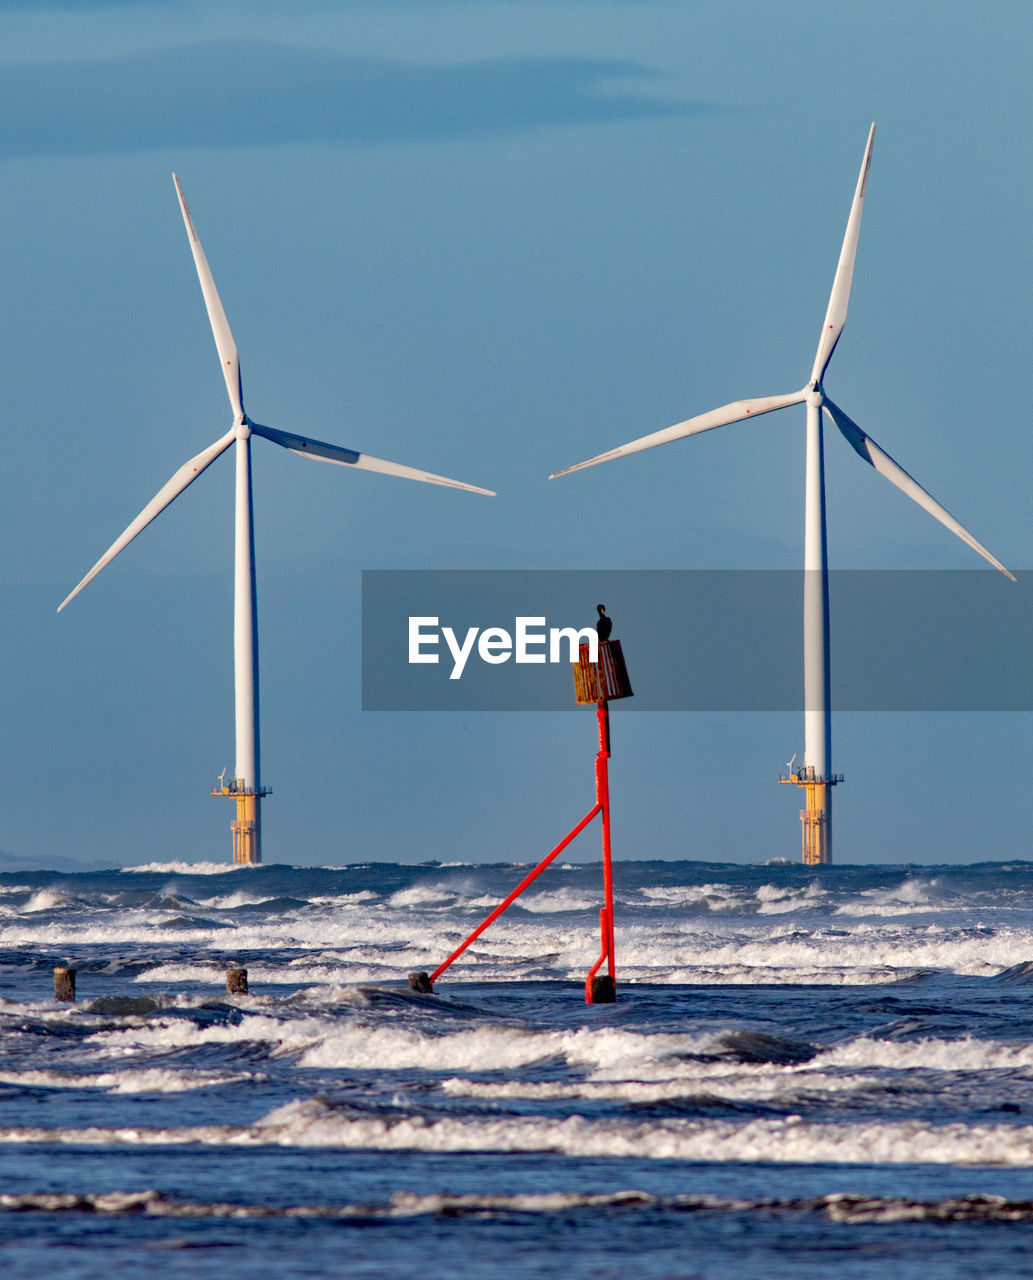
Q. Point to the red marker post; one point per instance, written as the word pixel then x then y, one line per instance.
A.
pixel 600 683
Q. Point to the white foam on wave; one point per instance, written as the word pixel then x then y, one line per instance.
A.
pixel 190 868
pixel 424 895
pixel 710 933
pixel 315 929
pixel 780 899
pixel 859 1066
pixel 712 897
pixel 282 1036
pixel 402 1204
pixel 366 944
pixel 966 1054
pixel 322 1043
pixel 316 1123
pixel 847 1207
pixel 345 899
pixel 781 1140
pixel 227 901
pixel 333 980
pixel 144 1080
pixel 732 1085
pixel 776 975
pixel 48 900
pixel 494 1048
pixel 911 897
pixel 864 946
pixel 195 974
pixel 564 899
pixel 617 1064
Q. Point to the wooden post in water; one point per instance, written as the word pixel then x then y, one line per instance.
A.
pixel 236 982
pixel 64 985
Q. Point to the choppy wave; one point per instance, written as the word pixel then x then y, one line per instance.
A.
pixel 676 923
pixel 842 1207
pixel 791 1140
pixel 188 868
pixel 147 1080
pixel 861 1032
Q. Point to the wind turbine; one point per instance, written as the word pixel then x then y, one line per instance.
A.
pixel 245 787
pixel 815 774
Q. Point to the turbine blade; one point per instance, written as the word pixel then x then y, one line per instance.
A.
pixel 867 448
pixel 835 317
pixel 321 452
pixel 727 413
pixel 171 489
pixel 224 343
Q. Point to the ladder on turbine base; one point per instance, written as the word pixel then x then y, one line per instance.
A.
pixel 815 819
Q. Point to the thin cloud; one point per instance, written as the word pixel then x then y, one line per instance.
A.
pixel 237 93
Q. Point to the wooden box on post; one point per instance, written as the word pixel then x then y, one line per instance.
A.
pixel 601 681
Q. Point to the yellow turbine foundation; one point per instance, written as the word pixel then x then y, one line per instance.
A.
pixel 816 818
pixel 247 828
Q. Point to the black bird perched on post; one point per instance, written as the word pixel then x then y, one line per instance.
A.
pixel 605 625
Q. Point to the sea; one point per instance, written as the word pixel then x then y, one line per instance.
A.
pixel 807 1072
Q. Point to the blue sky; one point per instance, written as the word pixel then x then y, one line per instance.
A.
pixel 490 239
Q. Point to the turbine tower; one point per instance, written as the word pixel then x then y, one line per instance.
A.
pixel 815 773
pixel 246 785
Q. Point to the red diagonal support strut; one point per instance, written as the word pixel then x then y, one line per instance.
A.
pixel 533 875
pixel 598 990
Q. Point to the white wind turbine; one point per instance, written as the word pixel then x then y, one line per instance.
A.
pixel 246 786
pixel 815 774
